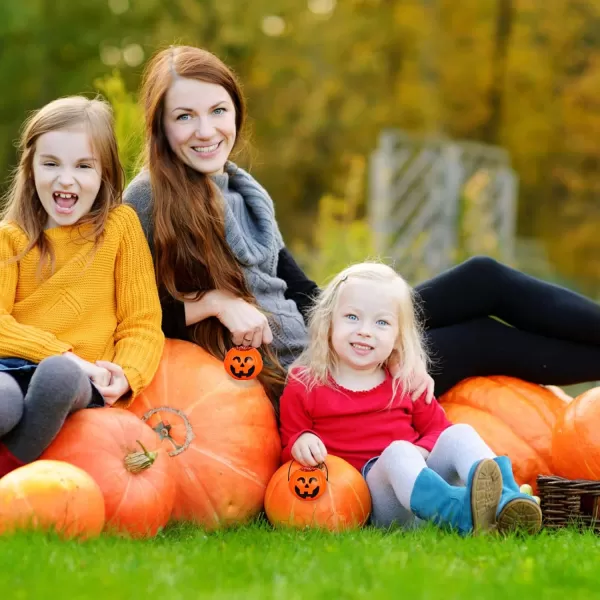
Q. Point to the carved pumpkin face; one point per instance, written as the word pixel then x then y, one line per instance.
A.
pixel 308 483
pixel 243 363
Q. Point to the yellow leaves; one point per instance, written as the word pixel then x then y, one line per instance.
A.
pixel 341 235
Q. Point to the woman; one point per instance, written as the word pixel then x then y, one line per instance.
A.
pixel 222 265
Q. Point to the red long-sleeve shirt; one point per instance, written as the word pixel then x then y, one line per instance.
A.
pixel 357 426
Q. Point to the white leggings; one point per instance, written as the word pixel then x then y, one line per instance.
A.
pixel 392 478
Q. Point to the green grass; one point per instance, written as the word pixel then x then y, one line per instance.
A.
pixel 255 562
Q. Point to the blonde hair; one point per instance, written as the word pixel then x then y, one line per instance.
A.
pixel 315 365
pixel 23 205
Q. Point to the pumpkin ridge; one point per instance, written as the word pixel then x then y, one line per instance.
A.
pixel 190 407
pixel 197 484
pixel 529 401
pixel 583 455
pixel 500 381
pixel 362 508
pixel 239 470
pixel 505 425
pixel 123 496
pixel 332 504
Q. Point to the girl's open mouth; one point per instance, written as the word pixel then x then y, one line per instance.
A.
pixel 65 202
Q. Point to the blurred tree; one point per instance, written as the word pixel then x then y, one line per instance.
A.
pixel 323 77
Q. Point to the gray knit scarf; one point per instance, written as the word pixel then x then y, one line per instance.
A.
pixel 252 233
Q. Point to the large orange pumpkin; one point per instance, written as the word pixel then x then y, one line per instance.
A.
pixel 576 439
pixel 117 450
pixel 513 417
pixel 51 495
pixel 345 503
pixel 220 432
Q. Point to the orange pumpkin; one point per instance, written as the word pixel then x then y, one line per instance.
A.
pixel 307 483
pixel 345 503
pixel 50 495
pixel 513 417
pixel 111 445
pixel 576 441
pixel 221 434
pixel 243 362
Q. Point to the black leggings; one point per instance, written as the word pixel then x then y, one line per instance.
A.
pixel 549 334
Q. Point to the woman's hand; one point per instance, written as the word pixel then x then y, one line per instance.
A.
pixel 248 326
pixel 422 382
pixel 309 450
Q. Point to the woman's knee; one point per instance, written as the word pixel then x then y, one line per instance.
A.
pixel 483 266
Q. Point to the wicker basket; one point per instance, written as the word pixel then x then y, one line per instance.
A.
pixel 568 502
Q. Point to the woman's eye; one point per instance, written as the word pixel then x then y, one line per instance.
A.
pixel 184 117
pixel 49 163
pixel 220 111
pixel 85 166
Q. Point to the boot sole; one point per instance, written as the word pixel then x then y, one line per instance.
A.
pixel 486 491
pixel 520 514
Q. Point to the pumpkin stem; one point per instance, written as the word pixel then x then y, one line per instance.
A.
pixel 135 462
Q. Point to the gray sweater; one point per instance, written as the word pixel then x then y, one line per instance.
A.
pixel 252 233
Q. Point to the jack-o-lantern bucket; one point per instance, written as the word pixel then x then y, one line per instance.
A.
pixel 243 362
pixel 307 483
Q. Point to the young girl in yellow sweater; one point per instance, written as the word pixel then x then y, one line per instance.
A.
pixel 80 318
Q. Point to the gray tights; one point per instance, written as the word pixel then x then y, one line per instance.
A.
pixel 392 477
pixel 29 424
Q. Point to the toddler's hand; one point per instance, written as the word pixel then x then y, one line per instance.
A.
pixel 309 450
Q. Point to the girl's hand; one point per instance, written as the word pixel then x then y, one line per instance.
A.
pixel 97 374
pixel 422 381
pixel 118 385
pixel 248 326
pixel 309 450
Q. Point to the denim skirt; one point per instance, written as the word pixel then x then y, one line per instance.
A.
pixel 22 371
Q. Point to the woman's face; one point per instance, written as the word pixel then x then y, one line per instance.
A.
pixel 199 122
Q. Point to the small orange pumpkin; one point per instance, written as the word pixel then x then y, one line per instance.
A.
pixel 344 504
pixel 243 362
pixel 51 495
pixel 307 483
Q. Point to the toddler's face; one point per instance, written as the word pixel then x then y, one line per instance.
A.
pixel 365 324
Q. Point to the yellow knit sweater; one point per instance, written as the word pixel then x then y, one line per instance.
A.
pixel 101 305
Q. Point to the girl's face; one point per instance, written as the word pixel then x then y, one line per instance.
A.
pixel 67 175
pixel 365 324
pixel 199 122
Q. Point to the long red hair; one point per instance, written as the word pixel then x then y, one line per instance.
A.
pixel 192 254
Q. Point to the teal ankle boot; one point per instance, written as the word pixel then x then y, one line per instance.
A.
pixel 470 509
pixel 516 511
